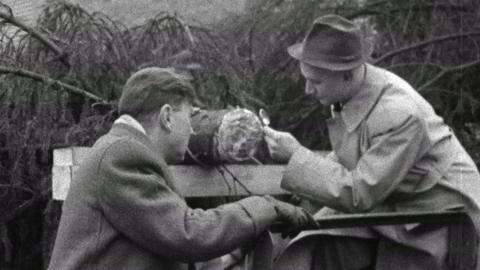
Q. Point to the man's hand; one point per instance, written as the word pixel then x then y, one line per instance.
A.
pixel 294 219
pixel 281 145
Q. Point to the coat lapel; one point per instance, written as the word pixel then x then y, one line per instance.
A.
pixel 348 137
pixel 358 108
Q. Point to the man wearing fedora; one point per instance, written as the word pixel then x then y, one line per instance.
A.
pixel 391 153
pixel 123 210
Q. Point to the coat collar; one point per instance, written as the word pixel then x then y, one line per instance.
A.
pixel 358 108
pixel 127 119
pixel 125 130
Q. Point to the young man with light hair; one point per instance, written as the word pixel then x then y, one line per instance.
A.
pixel 123 210
pixel 391 153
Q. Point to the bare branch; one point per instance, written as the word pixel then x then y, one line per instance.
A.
pixel 423 44
pixel 42 78
pixel 452 93
pixel 4 218
pixel 16 187
pixel 186 28
pixel 8 17
pixel 7 243
pixel 447 70
pixel 372 10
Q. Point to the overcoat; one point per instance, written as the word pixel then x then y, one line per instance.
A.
pixel 391 152
pixel 122 212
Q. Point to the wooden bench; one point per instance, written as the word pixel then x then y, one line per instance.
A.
pixel 197 182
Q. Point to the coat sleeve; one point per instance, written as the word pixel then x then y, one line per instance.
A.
pixel 136 200
pixel 394 149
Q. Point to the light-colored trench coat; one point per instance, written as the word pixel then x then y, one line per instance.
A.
pixel 391 152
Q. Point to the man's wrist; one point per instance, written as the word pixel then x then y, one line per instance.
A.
pixel 300 154
pixel 261 210
pixel 293 149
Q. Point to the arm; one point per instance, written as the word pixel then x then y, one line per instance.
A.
pixel 394 149
pixel 137 202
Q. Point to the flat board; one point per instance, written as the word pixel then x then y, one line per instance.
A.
pixel 193 181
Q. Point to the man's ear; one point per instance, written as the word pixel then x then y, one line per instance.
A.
pixel 165 117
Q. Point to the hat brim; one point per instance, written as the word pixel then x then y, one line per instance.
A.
pixel 197 103
pixel 296 51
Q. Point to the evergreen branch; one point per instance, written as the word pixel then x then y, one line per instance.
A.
pixel 8 17
pixel 41 78
pixel 446 70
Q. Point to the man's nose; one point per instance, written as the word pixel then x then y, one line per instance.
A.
pixel 309 89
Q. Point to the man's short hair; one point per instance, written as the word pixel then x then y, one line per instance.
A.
pixel 147 90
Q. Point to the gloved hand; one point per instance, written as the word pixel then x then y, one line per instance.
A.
pixel 295 200
pixel 281 145
pixel 293 219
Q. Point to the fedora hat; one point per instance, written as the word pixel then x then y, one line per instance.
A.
pixel 332 43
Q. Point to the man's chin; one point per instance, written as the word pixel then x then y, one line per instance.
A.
pixel 181 159
pixel 177 159
pixel 324 102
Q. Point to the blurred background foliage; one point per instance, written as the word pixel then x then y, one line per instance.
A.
pixel 241 61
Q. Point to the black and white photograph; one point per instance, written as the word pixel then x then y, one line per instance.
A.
pixel 239 135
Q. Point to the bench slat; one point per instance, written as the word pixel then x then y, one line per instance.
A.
pixel 193 181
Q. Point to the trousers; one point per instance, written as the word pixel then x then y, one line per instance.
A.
pixel 329 253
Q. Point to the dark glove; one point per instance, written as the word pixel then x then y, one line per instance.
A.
pixel 295 200
pixel 292 219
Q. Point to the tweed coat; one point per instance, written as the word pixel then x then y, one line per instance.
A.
pixel 122 212
pixel 391 152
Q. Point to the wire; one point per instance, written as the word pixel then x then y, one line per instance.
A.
pixel 235 179
pixel 203 165
pixel 222 172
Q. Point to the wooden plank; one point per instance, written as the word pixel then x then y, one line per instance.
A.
pixel 61 176
pixel 194 181
pixel 69 156
pixel 63 157
pixel 74 155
